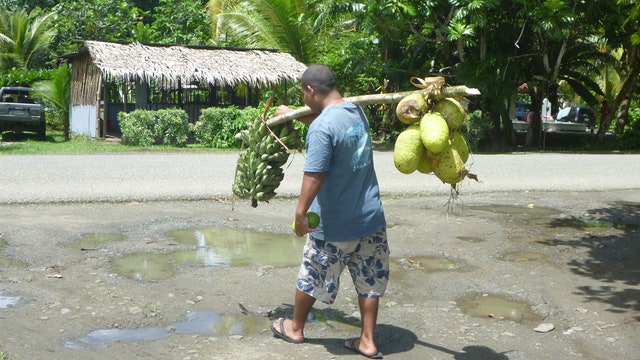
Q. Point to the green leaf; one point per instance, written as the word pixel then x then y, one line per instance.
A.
pixel 554 5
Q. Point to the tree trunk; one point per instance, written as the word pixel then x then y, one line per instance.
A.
pixel 536 124
pixel 623 115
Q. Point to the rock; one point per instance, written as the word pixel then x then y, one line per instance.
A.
pixel 544 327
pixel 572 330
pixel 135 310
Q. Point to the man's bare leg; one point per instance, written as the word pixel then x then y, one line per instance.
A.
pixel 302 306
pixel 369 316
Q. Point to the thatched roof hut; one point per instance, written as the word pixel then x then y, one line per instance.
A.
pixel 169 67
pixel 187 64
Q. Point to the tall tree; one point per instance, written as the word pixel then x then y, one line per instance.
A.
pixel 56 91
pixel 277 24
pixel 24 38
pixel 94 20
pixel 628 34
pixel 180 22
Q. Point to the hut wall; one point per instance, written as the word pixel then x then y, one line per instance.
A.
pixel 86 81
pixel 84 120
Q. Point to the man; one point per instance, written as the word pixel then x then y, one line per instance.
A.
pixel 339 184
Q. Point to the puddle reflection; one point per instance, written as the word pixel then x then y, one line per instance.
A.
pixel 6 260
pixel 498 307
pixel 8 301
pixel 212 247
pixel 94 240
pixel 197 323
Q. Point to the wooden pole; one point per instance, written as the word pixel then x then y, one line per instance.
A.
pixel 388 98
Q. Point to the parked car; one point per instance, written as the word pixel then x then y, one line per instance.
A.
pixel 20 112
pixel 578 115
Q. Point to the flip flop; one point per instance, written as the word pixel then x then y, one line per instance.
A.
pixel 351 345
pixel 282 334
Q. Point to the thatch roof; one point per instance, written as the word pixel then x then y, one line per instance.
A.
pixel 188 64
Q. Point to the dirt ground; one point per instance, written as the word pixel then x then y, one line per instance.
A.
pixel 569 258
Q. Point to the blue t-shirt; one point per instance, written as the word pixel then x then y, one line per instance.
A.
pixel 339 144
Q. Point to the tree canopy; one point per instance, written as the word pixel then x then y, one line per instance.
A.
pixel 583 51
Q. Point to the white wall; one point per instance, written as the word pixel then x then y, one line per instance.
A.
pixel 83 120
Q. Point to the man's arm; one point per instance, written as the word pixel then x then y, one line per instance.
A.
pixel 311 183
pixel 283 109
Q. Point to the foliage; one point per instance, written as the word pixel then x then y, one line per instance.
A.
pixel 477 130
pixel 179 22
pixel 162 127
pixel 137 127
pixel 94 20
pixel 217 127
pixel 630 138
pixel 276 24
pixel 171 127
pixel 55 91
pixel 24 38
pixel 21 77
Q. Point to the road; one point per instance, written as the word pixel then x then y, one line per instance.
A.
pixel 189 176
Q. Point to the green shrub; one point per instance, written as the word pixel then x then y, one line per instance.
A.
pixel 217 127
pixel 137 127
pixel 171 127
pixel 162 127
pixel 479 129
pixel 630 138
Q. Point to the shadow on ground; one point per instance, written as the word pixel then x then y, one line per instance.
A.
pixel 613 258
pixel 390 339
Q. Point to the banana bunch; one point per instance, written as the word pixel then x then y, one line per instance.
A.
pixel 259 170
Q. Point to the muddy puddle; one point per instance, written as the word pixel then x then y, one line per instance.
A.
pixel 529 209
pixel 7 260
pixel 200 322
pixel 212 247
pixel 497 307
pixel 429 264
pixel 533 216
pixel 7 301
pixel 523 256
pixel 473 239
pixel 93 241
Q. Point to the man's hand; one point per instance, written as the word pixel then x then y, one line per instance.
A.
pixel 283 109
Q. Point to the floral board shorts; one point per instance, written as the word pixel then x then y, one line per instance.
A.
pixel 324 261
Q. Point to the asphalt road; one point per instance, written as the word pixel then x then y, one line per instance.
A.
pixel 180 176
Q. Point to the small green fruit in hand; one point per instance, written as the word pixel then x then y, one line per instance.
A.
pixel 314 219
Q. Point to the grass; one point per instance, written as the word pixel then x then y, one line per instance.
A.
pixel 3 356
pixel 26 144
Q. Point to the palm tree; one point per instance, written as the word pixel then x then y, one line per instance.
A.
pixel 56 91
pixel 24 37
pixel 277 24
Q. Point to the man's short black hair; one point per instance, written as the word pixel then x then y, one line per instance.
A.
pixel 320 78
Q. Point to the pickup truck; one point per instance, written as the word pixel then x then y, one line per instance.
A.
pixel 20 112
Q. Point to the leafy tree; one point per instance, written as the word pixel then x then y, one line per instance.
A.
pixel 276 24
pixel 56 91
pixel 94 20
pixel 28 5
pixel 180 22
pixel 24 38
pixel 623 29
